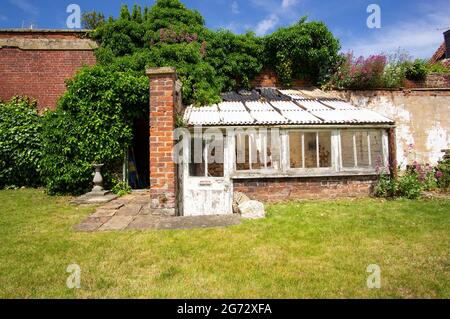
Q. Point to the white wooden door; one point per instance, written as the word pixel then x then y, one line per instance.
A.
pixel 207 187
pixel 207 196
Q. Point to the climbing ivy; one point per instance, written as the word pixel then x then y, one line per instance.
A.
pixel 210 62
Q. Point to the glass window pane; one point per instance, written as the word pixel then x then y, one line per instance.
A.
pixel 196 163
pixel 362 148
pixel 274 150
pixel 215 161
pixel 348 159
pixel 295 149
pixel 310 150
pixel 376 149
pixel 325 149
pixel 242 152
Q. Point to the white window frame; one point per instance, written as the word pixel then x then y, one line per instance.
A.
pixel 266 170
pixel 361 169
pixel 305 170
pixel 285 170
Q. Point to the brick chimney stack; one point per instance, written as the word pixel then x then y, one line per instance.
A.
pixel 163 170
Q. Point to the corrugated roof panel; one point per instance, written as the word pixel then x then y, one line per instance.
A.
pixel 208 115
pixel 268 117
pixel 367 116
pixel 333 116
pixel 301 117
pixel 338 105
pixel 237 118
pixel 259 106
pixel 313 105
pixel 231 106
pixel 293 94
pixel 285 106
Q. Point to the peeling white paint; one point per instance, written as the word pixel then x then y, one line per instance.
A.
pixel 438 139
pixel 422 120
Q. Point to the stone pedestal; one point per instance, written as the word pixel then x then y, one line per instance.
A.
pixel 97 195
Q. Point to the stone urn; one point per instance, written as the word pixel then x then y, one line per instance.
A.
pixel 98 179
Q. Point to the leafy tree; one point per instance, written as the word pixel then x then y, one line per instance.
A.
pixel 303 50
pixel 92 20
pixel 92 124
pixel 20 143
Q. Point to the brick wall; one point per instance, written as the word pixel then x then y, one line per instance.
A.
pixel 281 189
pixel 26 68
pixel 268 78
pixel 163 170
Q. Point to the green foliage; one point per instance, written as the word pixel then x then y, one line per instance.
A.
pixel 92 19
pixel 92 124
pixel 121 188
pixel 443 174
pixel 209 62
pixel 437 68
pixel 381 71
pixel 303 50
pixel 385 187
pixel 236 58
pixel 20 143
pixel 416 70
pixel 410 184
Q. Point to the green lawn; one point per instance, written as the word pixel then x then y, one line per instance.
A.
pixel 302 250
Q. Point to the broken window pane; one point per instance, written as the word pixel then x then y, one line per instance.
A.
pixel 196 163
pixel 325 149
pixel 310 149
pixel 362 148
pixel 347 150
pixel 295 149
pixel 376 149
pixel 257 150
pixel 215 161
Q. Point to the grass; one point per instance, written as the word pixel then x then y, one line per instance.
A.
pixel 301 250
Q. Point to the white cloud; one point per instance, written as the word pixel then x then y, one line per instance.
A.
pixel 288 3
pixel 235 7
pixel 420 37
pixel 25 6
pixel 267 24
pixel 278 11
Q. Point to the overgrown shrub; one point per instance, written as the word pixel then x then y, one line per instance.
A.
pixel 303 50
pixel 416 70
pixel 360 73
pixel 410 184
pixel 209 62
pixel 20 143
pixel 92 124
pixel 443 174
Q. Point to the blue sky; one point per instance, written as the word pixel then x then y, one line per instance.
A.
pixel 414 25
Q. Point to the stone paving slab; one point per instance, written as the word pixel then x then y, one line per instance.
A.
pixel 91 224
pixel 144 222
pixel 132 212
pixel 129 210
pixel 116 223
pixel 104 213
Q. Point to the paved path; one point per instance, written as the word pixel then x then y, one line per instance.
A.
pixel 132 212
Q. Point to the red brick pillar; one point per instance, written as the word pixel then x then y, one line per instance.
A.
pixel 163 170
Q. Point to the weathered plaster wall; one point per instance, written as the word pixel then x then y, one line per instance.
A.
pixel 422 118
